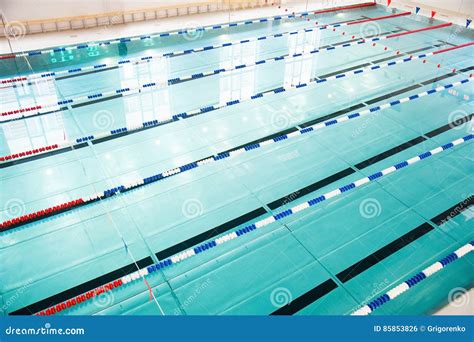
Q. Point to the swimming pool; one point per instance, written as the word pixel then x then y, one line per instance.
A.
pixel 306 164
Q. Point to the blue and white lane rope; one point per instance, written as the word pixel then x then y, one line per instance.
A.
pixel 187 31
pixel 133 184
pixel 201 248
pixel 314 201
pixel 154 85
pixel 146 59
pixel 219 156
pixel 39 109
pixel 416 279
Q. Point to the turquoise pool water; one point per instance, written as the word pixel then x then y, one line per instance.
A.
pixel 258 272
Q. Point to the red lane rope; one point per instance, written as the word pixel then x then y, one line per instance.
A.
pixel 29 152
pixel 419 30
pixel 74 203
pixel 81 298
pixel 453 48
pixel 379 18
pixel 22 110
pixel 11 80
pixel 41 214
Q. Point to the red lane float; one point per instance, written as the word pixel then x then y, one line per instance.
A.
pixel 453 48
pixel 39 214
pixel 419 30
pixel 378 18
pixel 81 298
pixel 62 207
pixel 18 111
pixel 11 80
pixel 29 153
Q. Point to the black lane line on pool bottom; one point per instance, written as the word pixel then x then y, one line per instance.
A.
pixel 119 135
pixel 82 288
pixel 96 101
pixel 329 285
pixel 294 195
pixel 301 192
pixel 383 253
pixel 43 155
pixel 171 83
pixel 453 211
pixel 370 161
pixel 390 152
pixel 195 240
pixel 112 97
pixel 60 78
pixel 312 187
pixel 306 299
pixel 313 294
pixel 175 249
pixel 407 53
pixel 299 303
pixel 404 240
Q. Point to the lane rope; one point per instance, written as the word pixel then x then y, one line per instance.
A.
pixel 154 123
pixel 414 280
pixel 152 85
pixel 181 32
pixel 20 113
pixel 60 208
pixel 132 277
pixel 147 59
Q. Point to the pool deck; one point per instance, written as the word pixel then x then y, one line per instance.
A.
pixel 69 37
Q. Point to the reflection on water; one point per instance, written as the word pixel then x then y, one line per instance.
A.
pixel 240 83
pixel 146 106
pixel 23 135
pixel 299 70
